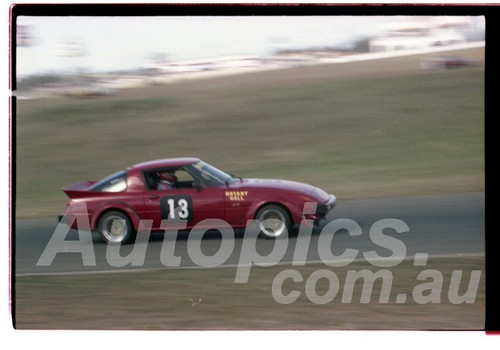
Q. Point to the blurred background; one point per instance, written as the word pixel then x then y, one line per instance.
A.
pixel 56 54
pixel 360 106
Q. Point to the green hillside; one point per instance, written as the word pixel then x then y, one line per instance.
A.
pixel 365 129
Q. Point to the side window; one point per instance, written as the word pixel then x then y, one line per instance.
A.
pixel 114 183
pixel 168 179
pixel 151 179
pixel 184 178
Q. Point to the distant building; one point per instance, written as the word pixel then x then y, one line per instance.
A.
pixel 419 35
pixel 24 36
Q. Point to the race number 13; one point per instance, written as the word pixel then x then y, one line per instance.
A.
pixel 177 207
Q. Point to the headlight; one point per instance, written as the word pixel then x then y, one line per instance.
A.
pixel 322 194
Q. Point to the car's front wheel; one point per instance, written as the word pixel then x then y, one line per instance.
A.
pixel 273 220
pixel 115 227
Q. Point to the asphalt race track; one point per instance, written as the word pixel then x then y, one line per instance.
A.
pixel 439 225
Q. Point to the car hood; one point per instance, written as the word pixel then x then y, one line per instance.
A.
pixel 284 185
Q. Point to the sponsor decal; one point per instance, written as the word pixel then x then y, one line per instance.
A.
pixel 236 195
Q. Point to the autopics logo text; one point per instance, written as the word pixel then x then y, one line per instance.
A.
pixel 288 284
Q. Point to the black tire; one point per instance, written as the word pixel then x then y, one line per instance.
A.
pixel 273 221
pixel 115 227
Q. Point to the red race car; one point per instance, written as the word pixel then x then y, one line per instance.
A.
pixel 191 190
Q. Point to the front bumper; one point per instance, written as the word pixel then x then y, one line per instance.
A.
pixel 325 208
pixel 320 211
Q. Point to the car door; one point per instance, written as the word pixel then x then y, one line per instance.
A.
pixel 184 202
pixel 237 203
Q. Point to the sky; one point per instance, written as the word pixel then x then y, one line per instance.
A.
pixel 118 43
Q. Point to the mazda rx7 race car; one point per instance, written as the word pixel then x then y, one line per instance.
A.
pixel 189 190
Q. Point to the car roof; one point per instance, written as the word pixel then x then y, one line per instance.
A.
pixel 164 163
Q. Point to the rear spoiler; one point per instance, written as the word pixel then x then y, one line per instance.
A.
pixel 79 189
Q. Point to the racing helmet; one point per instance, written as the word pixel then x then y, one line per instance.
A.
pixel 168 176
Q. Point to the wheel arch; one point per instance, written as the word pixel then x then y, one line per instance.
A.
pixel 120 207
pixel 280 204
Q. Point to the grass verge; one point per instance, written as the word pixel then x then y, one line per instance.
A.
pixel 208 299
pixel 364 129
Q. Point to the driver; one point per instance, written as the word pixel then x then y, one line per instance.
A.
pixel 167 180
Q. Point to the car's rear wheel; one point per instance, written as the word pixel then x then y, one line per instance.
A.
pixel 273 221
pixel 115 227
